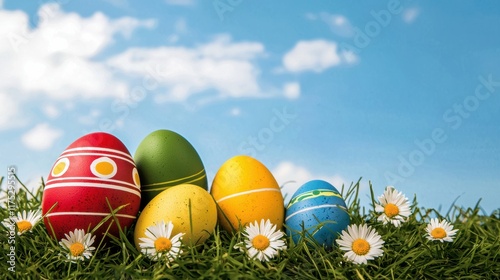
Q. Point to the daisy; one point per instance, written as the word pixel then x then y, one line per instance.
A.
pixel 394 207
pixel 442 231
pixel 158 242
pixel 9 223
pixel 262 242
pixel 24 221
pixel 361 243
pixel 78 243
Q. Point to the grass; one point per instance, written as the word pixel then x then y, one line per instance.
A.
pixel 474 254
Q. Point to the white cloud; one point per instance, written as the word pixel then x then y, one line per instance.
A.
pixel 90 118
pixel 54 59
pixel 51 111
pixel 8 111
pixel 41 137
pixel 291 90
pixel 235 111
pixel 180 2
pixel 181 26
pixel 410 14
pixel 119 3
pixel 291 176
pixel 221 65
pixel 349 57
pixel 317 55
pixel 339 24
pixel 311 16
pixel 174 38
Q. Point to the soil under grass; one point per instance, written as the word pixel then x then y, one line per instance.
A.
pixel 474 254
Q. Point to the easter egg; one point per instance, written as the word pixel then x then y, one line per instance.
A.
pixel 190 208
pixel 246 191
pixel 319 209
pixel 165 159
pixel 93 176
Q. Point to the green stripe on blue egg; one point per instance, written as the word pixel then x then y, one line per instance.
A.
pixel 319 209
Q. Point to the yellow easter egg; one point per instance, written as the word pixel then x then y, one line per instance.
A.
pixel 190 208
pixel 246 191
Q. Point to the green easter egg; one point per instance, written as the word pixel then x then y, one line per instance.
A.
pixel 165 159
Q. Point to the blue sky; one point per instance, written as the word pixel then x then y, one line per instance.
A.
pixel 400 93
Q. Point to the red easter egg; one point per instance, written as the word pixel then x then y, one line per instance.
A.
pixel 94 170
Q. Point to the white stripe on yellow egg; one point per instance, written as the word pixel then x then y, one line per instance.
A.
pixel 248 192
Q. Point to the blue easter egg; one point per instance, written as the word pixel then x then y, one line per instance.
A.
pixel 318 208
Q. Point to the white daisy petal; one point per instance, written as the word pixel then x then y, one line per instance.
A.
pixel 361 243
pixel 276 235
pixel 393 207
pixel 348 238
pixel 25 221
pixel 150 234
pixel 262 257
pixel 252 230
pixel 353 232
pixel 155 232
pixel 252 252
pixel 269 241
pixel 440 231
pixel 78 244
pixel 379 208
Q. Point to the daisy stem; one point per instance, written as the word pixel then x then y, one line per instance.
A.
pixel 50 224
pixel 190 216
pixel 26 189
pixel 372 195
pixel 306 248
pixel 436 250
pixel 69 270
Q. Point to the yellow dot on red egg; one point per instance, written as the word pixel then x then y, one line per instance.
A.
pixel 135 177
pixel 60 167
pixel 103 167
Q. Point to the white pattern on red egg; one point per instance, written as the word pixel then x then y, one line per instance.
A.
pixel 93 171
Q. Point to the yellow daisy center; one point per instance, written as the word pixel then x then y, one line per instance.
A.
pixel 162 244
pixel 391 210
pixel 260 242
pixel 360 247
pixel 76 249
pixel 23 226
pixel 438 233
